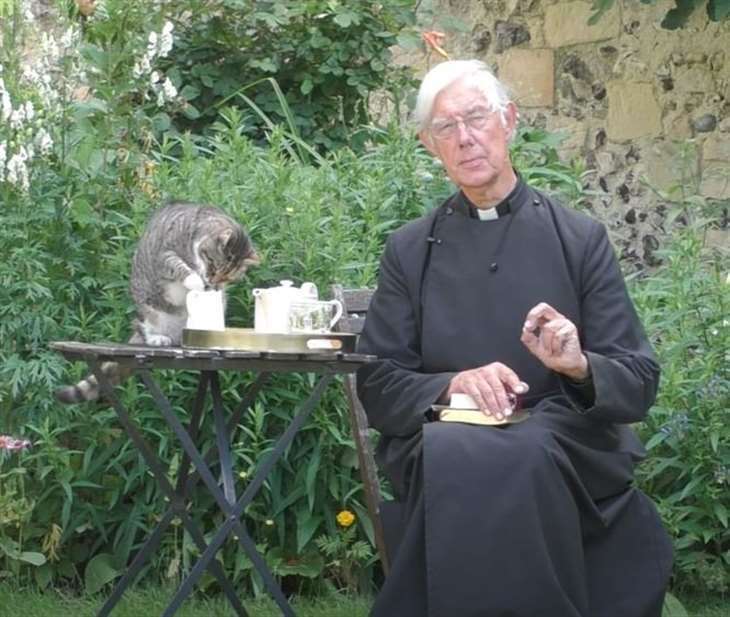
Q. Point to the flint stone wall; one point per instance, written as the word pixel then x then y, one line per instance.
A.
pixel 643 107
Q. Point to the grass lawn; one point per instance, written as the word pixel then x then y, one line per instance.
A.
pixel 151 602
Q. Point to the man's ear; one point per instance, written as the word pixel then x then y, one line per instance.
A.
pixel 427 142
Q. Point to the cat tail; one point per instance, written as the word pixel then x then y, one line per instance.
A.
pixel 88 388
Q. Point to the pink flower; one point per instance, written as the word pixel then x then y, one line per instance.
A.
pixel 10 443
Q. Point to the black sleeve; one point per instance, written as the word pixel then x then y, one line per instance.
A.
pixel 394 391
pixel 624 370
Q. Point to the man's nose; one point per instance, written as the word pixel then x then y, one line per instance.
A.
pixel 464 133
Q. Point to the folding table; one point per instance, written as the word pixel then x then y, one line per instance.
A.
pixel 195 464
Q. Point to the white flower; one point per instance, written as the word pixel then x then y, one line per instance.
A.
pixel 7 106
pixel 3 158
pixel 17 118
pixel 17 171
pixel 29 110
pixel 142 67
pixel 152 45
pixel 44 141
pixel 27 13
pixel 160 98
pixel 169 90
pixel 154 77
pixel 166 39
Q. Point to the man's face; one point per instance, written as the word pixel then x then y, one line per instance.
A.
pixel 476 158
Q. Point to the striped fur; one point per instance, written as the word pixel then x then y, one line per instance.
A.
pixel 185 246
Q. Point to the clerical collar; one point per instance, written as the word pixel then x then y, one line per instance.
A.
pixel 465 206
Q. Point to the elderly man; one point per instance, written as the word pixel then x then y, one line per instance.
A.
pixel 501 291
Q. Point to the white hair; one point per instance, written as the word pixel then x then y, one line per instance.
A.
pixel 444 74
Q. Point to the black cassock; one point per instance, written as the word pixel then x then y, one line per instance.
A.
pixel 533 519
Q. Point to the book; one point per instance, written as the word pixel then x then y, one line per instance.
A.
pixel 474 416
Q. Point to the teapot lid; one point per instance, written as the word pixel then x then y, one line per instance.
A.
pixel 286 283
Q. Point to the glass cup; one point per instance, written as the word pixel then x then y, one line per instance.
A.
pixel 314 315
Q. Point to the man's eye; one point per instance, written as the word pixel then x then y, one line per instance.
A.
pixel 477 120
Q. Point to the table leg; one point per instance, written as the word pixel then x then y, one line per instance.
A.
pixel 233 512
pixel 176 501
pixel 222 440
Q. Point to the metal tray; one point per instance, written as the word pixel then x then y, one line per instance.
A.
pixel 248 339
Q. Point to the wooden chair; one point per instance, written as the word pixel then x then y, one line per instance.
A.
pixel 355 303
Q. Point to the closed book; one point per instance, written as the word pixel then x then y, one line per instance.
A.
pixel 474 416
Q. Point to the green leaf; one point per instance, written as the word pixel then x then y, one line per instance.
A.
pixel 43 576
pixel 306 528
pixel 721 513
pixel 36 559
pixel 673 607
pixel 306 86
pixel 714 440
pixel 655 440
pixel 718 9
pixel 99 571
pixel 161 122
pixel 191 112
pixel 81 212
pixel 190 92
pixel 678 16
pixel 9 548
pixel 346 18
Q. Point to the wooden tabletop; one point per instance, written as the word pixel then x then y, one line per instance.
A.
pixel 195 358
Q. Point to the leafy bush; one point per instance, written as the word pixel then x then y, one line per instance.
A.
pixel 685 307
pixel 327 58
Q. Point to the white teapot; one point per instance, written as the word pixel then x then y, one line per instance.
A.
pixel 273 305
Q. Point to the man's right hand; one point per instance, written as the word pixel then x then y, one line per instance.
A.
pixel 489 386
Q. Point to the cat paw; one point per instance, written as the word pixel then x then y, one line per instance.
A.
pixel 193 282
pixel 159 340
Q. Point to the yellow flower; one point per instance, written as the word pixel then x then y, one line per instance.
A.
pixel 345 518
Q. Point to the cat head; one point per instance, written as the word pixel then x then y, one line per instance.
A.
pixel 227 253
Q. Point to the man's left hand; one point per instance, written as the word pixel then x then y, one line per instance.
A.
pixel 553 339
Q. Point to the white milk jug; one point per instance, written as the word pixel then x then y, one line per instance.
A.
pixel 205 310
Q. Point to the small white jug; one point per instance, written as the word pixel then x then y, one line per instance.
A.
pixel 205 310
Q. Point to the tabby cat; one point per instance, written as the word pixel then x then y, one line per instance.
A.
pixel 184 247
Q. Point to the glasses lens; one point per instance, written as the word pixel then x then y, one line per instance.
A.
pixel 443 130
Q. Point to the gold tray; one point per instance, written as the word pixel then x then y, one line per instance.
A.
pixel 247 339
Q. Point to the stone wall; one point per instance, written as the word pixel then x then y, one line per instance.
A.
pixel 643 107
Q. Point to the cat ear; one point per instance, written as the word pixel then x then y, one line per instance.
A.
pixel 252 259
pixel 225 236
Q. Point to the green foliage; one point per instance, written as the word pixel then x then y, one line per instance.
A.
pixel 684 306
pixel 677 17
pixel 327 57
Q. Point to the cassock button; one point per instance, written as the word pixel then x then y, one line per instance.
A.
pixel 493 267
pixel 535 202
pixel 438 241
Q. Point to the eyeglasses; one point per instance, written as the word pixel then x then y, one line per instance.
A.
pixel 446 129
